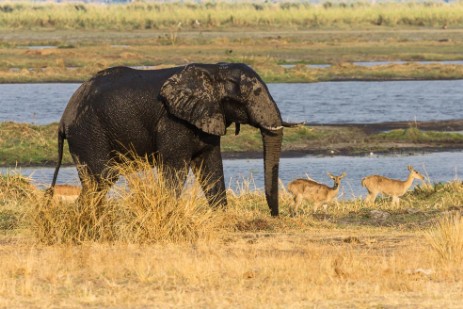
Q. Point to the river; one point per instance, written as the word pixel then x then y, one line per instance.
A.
pixel 329 102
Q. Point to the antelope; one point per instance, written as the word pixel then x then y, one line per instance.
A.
pixel 66 193
pixel 376 184
pixel 314 192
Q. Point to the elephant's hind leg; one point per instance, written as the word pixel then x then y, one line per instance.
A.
pixel 95 187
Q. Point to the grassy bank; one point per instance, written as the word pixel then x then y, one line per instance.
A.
pixel 26 144
pixel 145 246
pixel 270 73
pixel 29 144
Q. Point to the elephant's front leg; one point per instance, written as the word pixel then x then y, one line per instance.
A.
pixel 175 175
pixel 208 169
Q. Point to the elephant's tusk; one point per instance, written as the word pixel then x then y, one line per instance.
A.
pixel 273 128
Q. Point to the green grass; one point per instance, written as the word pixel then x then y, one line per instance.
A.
pixel 417 136
pixel 29 144
pixel 269 73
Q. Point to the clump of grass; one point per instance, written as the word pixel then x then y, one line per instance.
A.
pixel 436 196
pixel 15 187
pixel 446 239
pixel 156 213
pixel 144 210
pixel 16 192
pixel 57 223
pixel 301 132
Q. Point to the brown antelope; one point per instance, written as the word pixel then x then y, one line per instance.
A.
pixel 66 193
pixel 314 192
pixel 376 184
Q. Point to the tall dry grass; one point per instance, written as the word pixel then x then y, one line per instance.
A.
pixel 143 210
pixel 168 16
pixel 446 239
pixel 15 187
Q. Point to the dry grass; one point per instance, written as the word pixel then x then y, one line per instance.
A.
pixel 332 269
pixel 147 249
pixel 14 187
pixel 231 15
pixel 144 210
pixel 446 239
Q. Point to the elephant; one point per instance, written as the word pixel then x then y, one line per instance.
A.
pixel 176 115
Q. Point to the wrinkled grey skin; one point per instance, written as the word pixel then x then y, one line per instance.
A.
pixel 175 116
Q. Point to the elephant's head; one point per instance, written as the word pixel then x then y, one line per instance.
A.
pixel 212 96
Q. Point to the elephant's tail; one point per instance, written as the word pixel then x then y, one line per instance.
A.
pixel 61 138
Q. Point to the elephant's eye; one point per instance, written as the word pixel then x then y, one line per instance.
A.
pixel 257 91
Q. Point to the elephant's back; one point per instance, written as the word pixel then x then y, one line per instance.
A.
pixel 120 103
pixel 113 91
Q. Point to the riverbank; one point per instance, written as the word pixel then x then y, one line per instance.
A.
pixel 269 72
pixel 36 145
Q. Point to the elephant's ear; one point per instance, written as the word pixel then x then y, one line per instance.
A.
pixel 194 96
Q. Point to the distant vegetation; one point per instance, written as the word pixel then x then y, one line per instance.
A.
pixel 69 42
pixel 139 15
pixel 27 144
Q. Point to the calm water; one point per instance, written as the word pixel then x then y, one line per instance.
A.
pixel 329 102
pixel 438 167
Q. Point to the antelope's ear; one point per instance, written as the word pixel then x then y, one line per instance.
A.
pixel 330 175
pixel 194 95
pixel 343 175
pixel 410 168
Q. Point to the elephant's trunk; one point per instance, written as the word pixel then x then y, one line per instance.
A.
pixel 272 149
